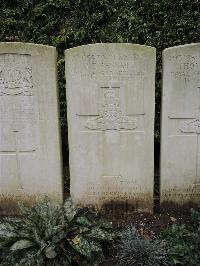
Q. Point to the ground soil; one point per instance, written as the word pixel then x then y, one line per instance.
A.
pixel 150 224
pixel 147 225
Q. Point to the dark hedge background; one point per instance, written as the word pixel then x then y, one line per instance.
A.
pixel 68 23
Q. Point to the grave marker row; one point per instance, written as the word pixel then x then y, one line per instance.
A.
pixel 110 98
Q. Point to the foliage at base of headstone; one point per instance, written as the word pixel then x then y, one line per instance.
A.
pixel 183 242
pixel 133 249
pixel 47 234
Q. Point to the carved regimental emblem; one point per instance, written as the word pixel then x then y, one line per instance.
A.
pixel 191 127
pixel 111 117
pixel 16 123
pixel 15 76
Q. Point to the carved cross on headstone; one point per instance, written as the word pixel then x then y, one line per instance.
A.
pixel 17 152
pixel 14 84
pixel 112 122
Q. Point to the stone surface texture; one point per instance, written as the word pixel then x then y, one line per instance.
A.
pixel 180 139
pixel 110 99
pixel 30 158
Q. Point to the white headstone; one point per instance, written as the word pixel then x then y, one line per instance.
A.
pixel 30 158
pixel 180 147
pixel 110 99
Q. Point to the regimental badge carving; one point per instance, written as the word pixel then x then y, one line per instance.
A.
pixel 18 130
pixel 191 127
pixel 15 75
pixel 111 117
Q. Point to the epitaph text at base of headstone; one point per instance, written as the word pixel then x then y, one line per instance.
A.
pixel 110 99
pixel 180 145
pixel 30 163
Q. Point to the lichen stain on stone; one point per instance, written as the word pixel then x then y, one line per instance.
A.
pixel 117 206
pixel 9 203
pixel 173 207
pixel 121 206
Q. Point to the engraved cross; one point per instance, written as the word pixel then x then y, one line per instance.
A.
pixel 111 121
pixel 17 152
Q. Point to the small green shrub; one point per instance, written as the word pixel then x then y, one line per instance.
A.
pixel 183 242
pixel 134 250
pixel 47 234
pixel 195 217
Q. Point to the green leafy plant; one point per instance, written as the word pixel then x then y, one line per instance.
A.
pixel 195 217
pixel 132 249
pixel 183 242
pixel 47 234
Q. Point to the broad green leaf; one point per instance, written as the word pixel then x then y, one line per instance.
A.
pixel 81 245
pixel 96 247
pixel 83 229
pixel 104 224
pixel 59 236
pixel 50 252
pixel 83 221
pixel 69 210
pixel 7 230
pixel 68 259
pixel 2 244
pixel 21 244
pixel 100 234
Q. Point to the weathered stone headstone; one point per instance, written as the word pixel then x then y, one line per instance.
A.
pixel 180 148
pixel 110 99
pixel 30 162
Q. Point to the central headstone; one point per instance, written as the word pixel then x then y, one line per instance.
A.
pixel 30 162
pixel 110 97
